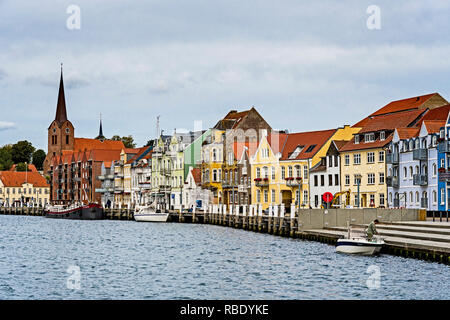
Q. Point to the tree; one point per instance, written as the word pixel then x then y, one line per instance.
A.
pixel 127 141
pixel 22 167
pixel 5 158
pixel 22 151
pixel 38 159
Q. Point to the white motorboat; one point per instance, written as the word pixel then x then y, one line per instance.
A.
pixel 150 213
pixel 355 242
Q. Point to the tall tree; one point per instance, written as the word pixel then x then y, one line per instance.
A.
pixel 38 159
pixel 22 151
pixel 5 158
pixel 127 141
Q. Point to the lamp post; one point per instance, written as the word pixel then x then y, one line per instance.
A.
pixel 358 181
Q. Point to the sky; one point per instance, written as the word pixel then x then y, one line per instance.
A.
pixel 304 65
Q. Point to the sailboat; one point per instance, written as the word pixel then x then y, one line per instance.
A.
pixel 150 213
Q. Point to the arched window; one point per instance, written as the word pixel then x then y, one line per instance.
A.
pixel 416 144
pixel 417 197
pixel 411 199
pixel 411 144
pixel 410 172
pixel 214 175
pixel 434 169
pixel 417 169
pixel 434 196
pixel 405 173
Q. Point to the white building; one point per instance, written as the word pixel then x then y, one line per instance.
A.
pixel 325 176
pixel 193 194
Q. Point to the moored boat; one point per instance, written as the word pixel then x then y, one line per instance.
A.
pixel 150 213
pixel 91 211
pixel 358 244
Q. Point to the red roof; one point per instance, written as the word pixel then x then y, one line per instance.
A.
pixel 434 126
pixel 17 179
pixel 440 113
pixel 407 133
pixel 389 121
pixel 403 105
pixel 351 145
pixel 82 144
pixel 238 149
pixel 139 153
pixel 309 143
pixel 197 174
pixel 103 155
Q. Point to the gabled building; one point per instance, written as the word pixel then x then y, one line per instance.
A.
pixel 193 194
pixel 363 158
pixel 23 188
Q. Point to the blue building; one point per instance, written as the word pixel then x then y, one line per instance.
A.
pixel 444 165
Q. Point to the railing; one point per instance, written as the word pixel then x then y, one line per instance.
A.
pixel 444 146
pixel 392 182
pixel 420 179
pixel 262 182
pixel 392 158
pixel 444 175
pixel 420 154
pixel 293 182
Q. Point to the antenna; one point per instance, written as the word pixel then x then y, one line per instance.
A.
pixel 157 126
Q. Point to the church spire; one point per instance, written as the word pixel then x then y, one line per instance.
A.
pixel 100 131
pixel 61 113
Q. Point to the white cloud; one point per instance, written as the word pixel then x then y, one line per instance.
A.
pixel 6 125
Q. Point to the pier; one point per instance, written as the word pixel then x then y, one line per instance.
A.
pixel 406 232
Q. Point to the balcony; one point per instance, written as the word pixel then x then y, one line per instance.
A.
pixel 444 175
pixel 109 176
pixel 262 182
pixel 396 203
pixel 392 182
pixel 424 202
pixel 420 179
pixel 166 171
pixel 420 154
pixel 392 158
pixel 100 190
pixel 444 147
pixel 293 182
pixel 102 177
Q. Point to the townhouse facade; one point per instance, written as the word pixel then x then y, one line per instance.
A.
pixel 23 188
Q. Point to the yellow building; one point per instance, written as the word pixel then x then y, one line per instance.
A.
pixel 212 161
pixel 18 188
pixel 281 165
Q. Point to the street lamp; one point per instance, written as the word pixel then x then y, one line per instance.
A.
pixel 358 182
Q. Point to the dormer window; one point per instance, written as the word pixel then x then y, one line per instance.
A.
pixel 296 152
pixel 382 135
pixel 441 134
pixel 356 139
pixel 369 137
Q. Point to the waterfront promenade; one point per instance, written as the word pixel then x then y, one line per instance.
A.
pixel 406 232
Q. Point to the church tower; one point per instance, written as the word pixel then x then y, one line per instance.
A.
pixel 61 133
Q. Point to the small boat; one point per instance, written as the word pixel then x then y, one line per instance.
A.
pixel 359 244
pixel 91 211
pixel 149 213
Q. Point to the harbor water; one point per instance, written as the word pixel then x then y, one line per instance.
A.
pixel 74 259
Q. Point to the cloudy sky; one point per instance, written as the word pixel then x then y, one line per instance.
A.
pixel 305 65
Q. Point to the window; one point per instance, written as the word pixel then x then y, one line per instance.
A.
pixel 290 171
pixel 214 156
pixel 382 135
pixel 372 200
pixel 258 196
pixel 405 173
pixel 347 160
pixel 305 172
pixel 67 139
pixel 330 180
pixel 381 177
pixel 273 196
pixel 434 196
pixel 298 171
pixel 371 178
pixel 381 156
pixel 442 195
pixel 214 175
pixel 310 148
pixel 370 157
pixel 230 158
pixel 265 172
pixel 258 172
pixel 336 179
pixel 330 161
pixel 347 179
pixel 434 170
pixel 266 196
pixel 305 196
pixel 369 137
pixel 357 158
pixel 283 173
pixel 356 139
pixel 381 199
pixel 442 163
pixel 316 181
pixel 273 173
pixel 356 180
pixel 322 180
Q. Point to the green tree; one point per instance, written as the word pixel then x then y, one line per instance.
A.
pixel 38 159
pixel 22 151
pixel 5 158
pixel 22 167
pixel 127 141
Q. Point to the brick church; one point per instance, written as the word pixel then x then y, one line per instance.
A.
pixel 74 164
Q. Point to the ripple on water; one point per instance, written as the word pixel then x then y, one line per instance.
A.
pixel 129 260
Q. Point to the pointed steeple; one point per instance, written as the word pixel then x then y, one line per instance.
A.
pixel 100 131
pixel 61 113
